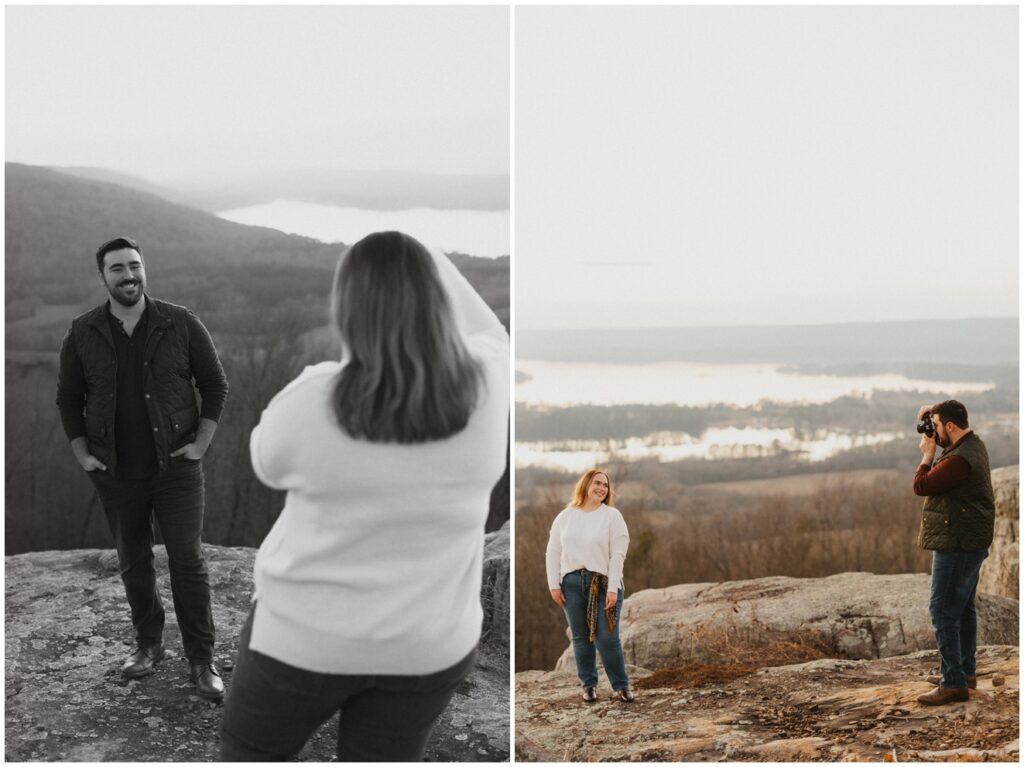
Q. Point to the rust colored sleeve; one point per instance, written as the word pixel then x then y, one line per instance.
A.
pixel 941 477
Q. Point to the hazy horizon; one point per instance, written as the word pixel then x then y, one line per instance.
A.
pixel 937 343
pixel 382 190
pixel 269 172
pixel 747 325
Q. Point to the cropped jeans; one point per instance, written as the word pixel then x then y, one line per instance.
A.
pixel 576 588
pixel 954 583
pixel 174 499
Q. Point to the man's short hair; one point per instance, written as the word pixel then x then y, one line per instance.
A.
pixel 951 410
pixel 118 243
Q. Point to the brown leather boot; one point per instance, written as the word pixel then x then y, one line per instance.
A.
pixel 589 695
pixel 942 695
pixel 972 681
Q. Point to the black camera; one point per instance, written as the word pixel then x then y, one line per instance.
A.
pixel 926 426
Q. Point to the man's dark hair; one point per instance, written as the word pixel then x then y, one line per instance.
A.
pixel 118 243
pixel 951 410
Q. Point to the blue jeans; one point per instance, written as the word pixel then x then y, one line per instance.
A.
pixel 174 500
pixel 954 583
pixel 576 588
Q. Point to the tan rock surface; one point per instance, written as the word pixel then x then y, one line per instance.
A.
pixel 67 631
pixel 1001 571
pixel 824 710
pixel 850 615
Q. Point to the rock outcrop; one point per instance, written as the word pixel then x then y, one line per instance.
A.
pixel 850 615
pixel 824 710
pixel 495 593
pixel 1000 573
pixel 67 630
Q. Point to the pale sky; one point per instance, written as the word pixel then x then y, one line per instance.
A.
pixel 165 92
pixel 765 165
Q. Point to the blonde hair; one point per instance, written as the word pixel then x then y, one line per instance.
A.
pixel 579 495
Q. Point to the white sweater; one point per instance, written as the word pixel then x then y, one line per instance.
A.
pixel 596 540
pixel 375 563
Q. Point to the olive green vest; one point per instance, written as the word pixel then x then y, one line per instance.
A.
pixel 961 519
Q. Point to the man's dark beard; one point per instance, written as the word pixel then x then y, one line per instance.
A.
pixel 125 302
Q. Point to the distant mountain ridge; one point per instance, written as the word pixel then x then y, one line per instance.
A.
pixel 370 190
pixel 122 179
pixel 53 218
pixel 55 221
pixel 932 342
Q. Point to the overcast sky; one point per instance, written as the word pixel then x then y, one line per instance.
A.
pixel 165 92
pixel 760 165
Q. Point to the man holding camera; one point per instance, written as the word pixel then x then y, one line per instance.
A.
pixel 956 526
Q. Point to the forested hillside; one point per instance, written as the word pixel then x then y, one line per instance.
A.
pixel 262 294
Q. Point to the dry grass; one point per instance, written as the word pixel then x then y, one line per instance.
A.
pixel 694 675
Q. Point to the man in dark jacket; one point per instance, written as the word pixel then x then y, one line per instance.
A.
pixel 129 371
pixel 956 525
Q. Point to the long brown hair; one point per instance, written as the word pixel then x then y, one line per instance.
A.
pixel 579 495
pixel 408 376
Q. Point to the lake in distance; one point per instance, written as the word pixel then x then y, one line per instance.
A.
pixel 696 384
pixel 474 232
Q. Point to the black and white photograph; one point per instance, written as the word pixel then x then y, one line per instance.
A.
pixel 257 487
pixel 767 429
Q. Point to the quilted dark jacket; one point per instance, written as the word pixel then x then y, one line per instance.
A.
pixel 962 518
pixel 178 351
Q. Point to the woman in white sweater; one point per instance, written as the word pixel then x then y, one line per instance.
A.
pixel 585 555
pixel 367 595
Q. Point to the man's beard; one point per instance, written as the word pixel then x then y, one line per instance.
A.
pixel 127 300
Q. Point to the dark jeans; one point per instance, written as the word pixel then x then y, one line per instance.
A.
pixel 175 500
pixel 954 583
pixel 576 588
pixel 273 708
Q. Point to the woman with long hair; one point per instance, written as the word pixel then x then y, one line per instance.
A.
pixel 585 556
pixel 367 589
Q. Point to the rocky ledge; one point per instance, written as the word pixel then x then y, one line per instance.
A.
pixel 67 631
pixel 823 710
pixel 768 621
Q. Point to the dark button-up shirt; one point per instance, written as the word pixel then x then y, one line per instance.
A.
pixel 133 434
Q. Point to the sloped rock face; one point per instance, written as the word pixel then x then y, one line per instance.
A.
pixel 1000 573
pixel 850 615
pixel 825 710
pixel 68 630
pixel 495 592
pixel 475 727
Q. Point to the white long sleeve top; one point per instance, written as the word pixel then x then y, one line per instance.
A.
pixel 596 540
pixel 375 563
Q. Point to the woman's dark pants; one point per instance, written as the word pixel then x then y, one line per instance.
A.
pixel 273 708
pixel 174 499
